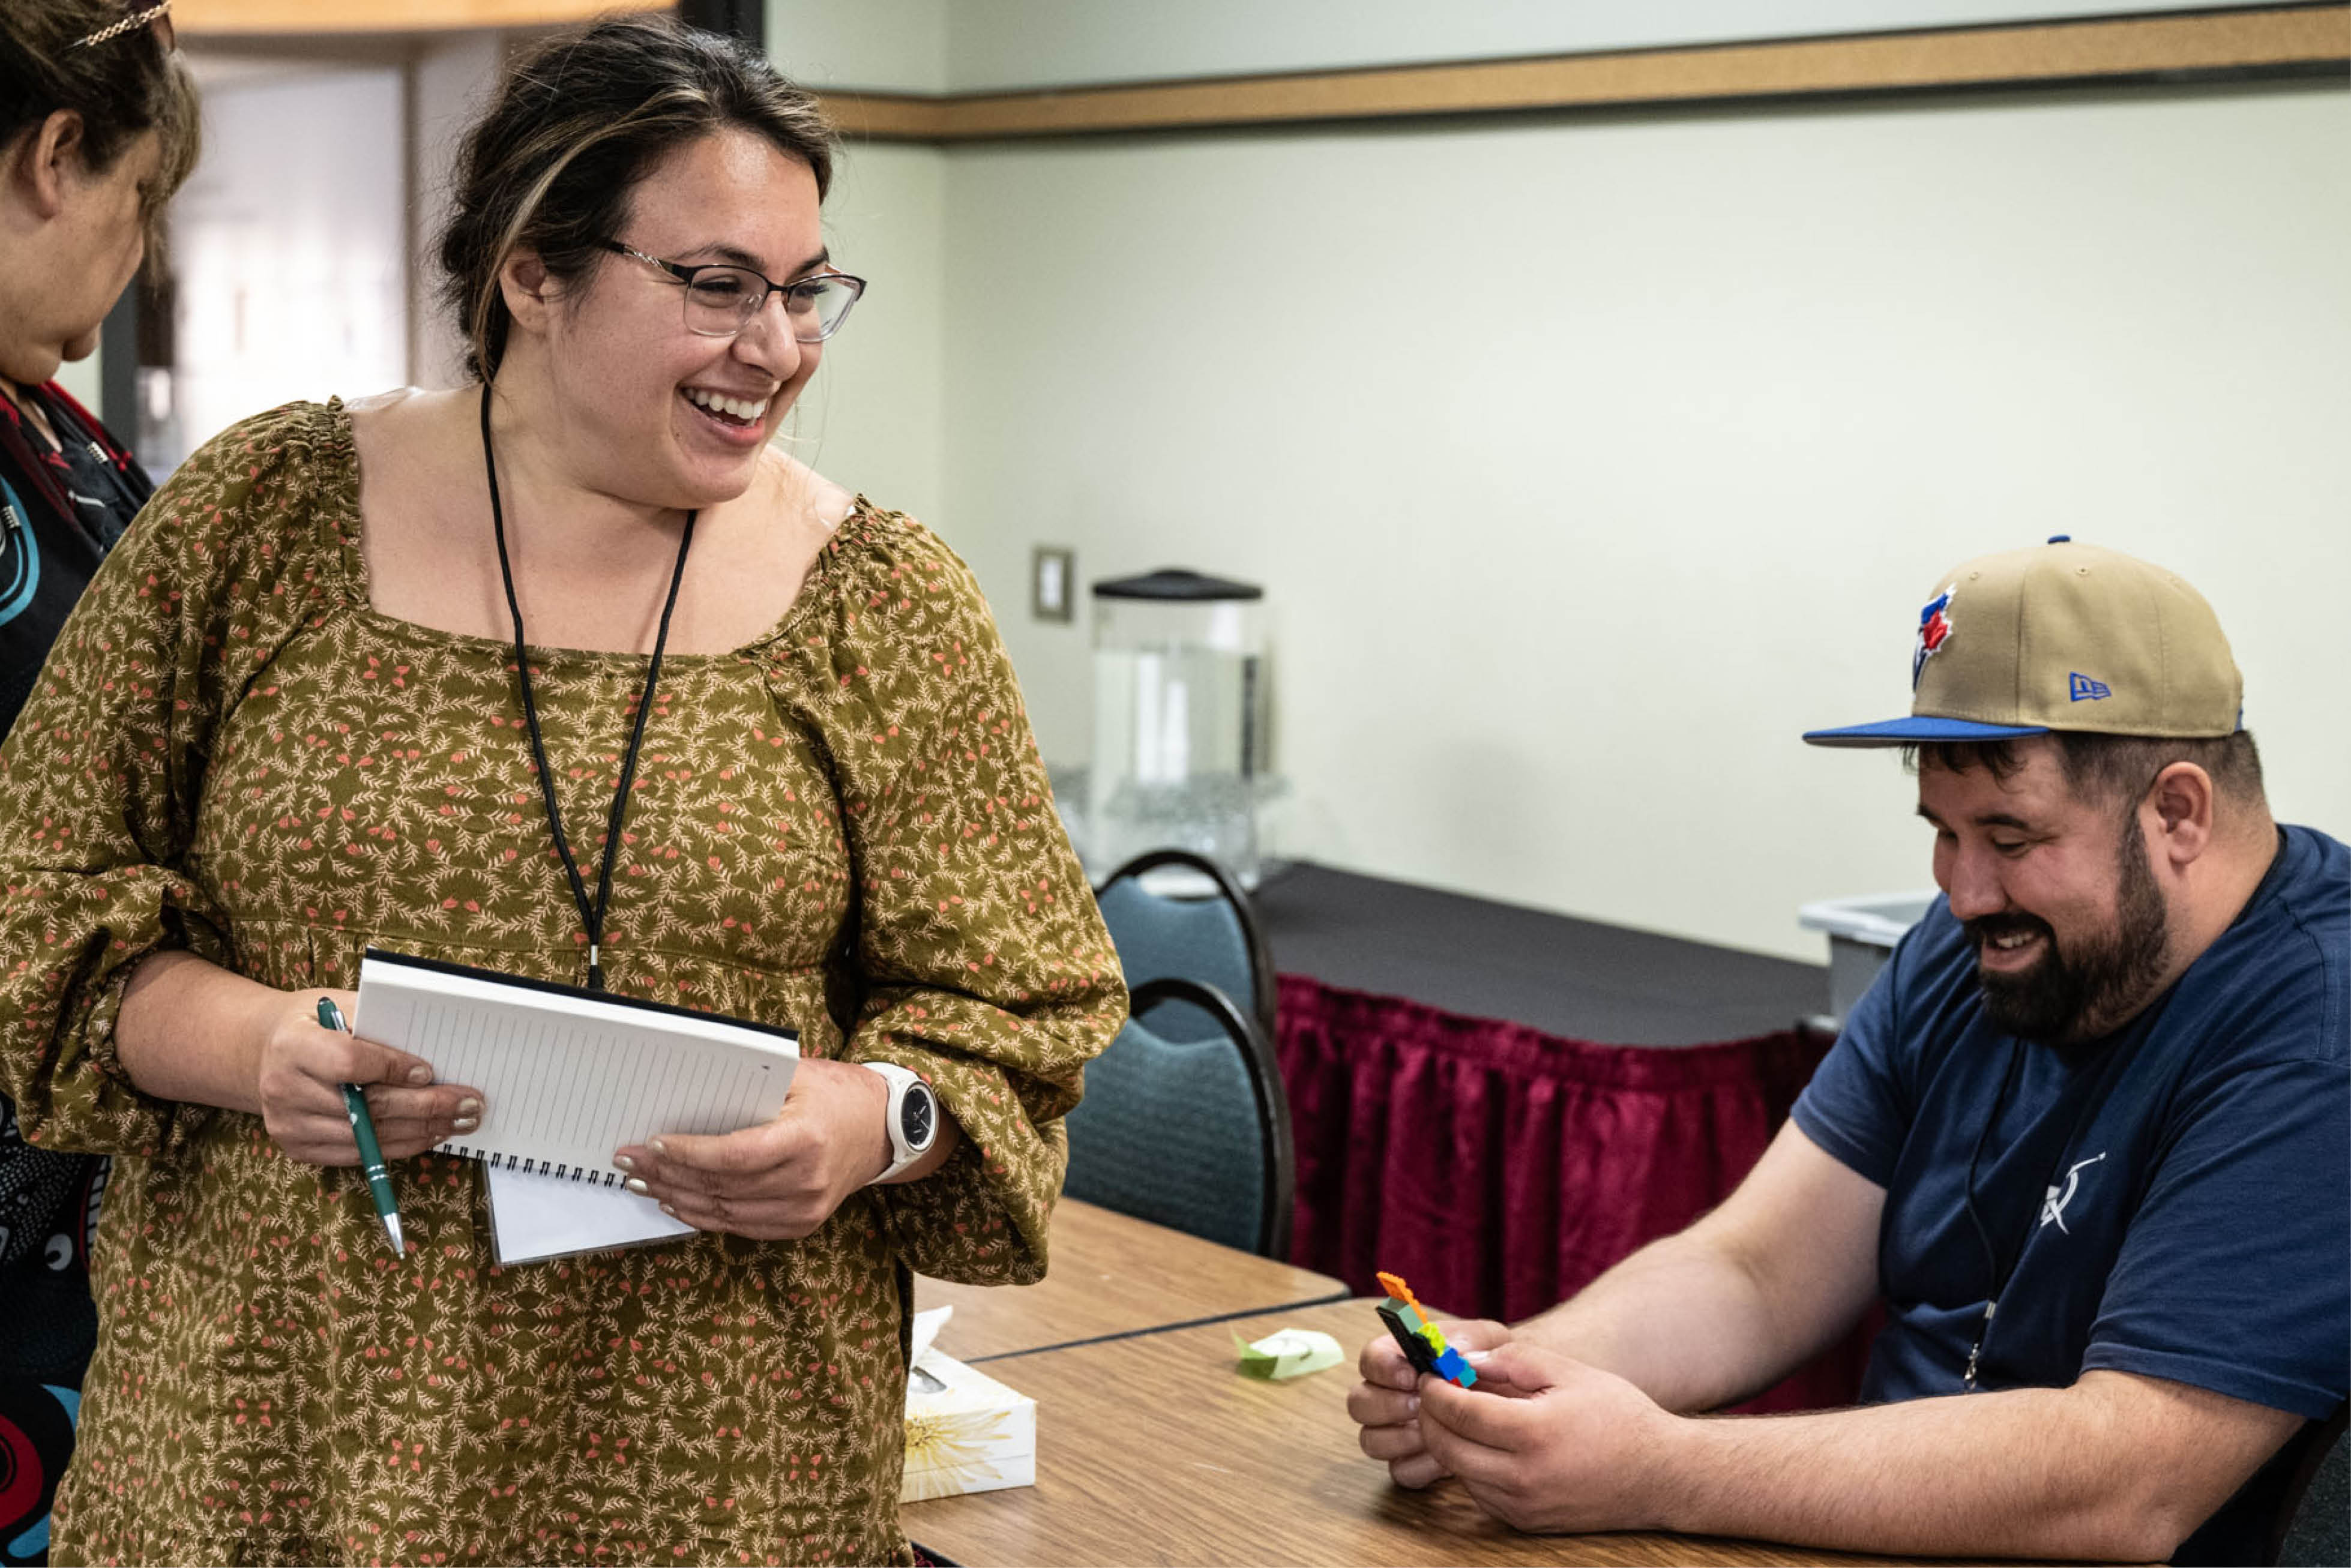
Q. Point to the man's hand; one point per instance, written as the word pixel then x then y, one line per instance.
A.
pixel 1386 1403
pixel 300 1068
pixel 780 1180
pixel 1547 1443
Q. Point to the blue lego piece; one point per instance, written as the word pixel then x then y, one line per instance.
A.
pixel 1454 1370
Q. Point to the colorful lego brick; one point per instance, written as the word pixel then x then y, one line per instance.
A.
pixel 1407 1305
pixel 1422 1341
pixel 1454 1370
pixel 1397 1290
pixel 1407 1337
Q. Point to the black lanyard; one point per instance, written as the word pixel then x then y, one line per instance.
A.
pixel 591 915
pixel 2000 1274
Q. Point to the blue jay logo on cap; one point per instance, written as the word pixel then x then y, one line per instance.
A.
pixel 2086 690
pixel 1934 627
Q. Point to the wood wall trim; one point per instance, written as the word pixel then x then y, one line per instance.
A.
pixel 2160 47
pixel 231 18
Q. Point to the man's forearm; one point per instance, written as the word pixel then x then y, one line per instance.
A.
pixel 191 1031
pixel 1682 1322
pixel 2092 1471
pixel 1750 1293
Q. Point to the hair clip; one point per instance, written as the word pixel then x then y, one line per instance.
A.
pixel 129 23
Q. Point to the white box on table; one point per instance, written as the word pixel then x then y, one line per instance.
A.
pixel 965 1432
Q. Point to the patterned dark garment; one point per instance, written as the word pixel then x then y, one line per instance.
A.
pixel 48 1204
pixel 843 827
pixel 36 1432
pixel 66 505
pixel 47 1332
pixel 62 508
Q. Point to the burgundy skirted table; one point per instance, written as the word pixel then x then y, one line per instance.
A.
pixel 1459 1121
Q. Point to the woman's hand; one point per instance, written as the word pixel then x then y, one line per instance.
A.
pixel 299 1075
pixel 192 1031
pixel 781 1180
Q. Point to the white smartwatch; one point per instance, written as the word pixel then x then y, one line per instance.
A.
pixel 914 1116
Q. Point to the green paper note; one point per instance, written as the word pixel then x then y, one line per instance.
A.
pixel 1289 1352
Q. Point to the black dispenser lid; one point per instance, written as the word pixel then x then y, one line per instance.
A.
pixel 1172 583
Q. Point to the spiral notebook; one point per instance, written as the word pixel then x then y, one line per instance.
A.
pixel 568 1076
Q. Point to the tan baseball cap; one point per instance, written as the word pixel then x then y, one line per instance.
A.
pixel 2064 636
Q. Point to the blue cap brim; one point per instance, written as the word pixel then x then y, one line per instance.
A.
pixel 1919 729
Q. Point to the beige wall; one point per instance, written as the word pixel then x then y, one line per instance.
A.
pixel 875 418
pixel 900 45
pixel 1586 461
pixel 982 45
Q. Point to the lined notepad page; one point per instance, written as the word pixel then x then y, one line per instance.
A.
pixel 567 1077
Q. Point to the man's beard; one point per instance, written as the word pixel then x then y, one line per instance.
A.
pixel 2066 1000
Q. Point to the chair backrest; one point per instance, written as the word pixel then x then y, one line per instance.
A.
pixel 1212 939
pixel 1189 1134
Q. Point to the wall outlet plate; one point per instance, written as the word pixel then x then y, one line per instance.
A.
pixel 1053 583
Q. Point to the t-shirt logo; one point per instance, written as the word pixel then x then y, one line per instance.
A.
pixel 2052 1203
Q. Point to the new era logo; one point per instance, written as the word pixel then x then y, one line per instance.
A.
pixel 2085 689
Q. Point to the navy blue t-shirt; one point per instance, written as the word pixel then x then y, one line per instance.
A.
pixel 2174 1200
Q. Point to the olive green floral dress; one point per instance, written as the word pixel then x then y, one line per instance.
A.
pixel 843 827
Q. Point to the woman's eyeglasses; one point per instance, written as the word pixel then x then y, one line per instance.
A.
pixel 721 300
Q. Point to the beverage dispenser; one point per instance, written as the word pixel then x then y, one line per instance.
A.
pixel 1179 742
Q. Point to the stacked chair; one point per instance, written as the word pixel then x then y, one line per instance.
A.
pixel 1185 1122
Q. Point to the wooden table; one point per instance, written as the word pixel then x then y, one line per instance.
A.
pixel 1109 1275
pixel 1153 1448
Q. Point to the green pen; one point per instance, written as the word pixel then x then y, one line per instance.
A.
pixel 379 1180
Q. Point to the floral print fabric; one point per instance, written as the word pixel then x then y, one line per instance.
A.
pixel 843 827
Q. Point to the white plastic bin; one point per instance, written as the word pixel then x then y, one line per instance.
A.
pixel 1862 935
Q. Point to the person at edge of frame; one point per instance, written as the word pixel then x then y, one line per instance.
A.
pixel 2085 1137
pixel 98 130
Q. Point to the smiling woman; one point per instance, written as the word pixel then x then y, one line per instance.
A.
pixel 575 675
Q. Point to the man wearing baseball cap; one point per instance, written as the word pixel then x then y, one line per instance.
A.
pixel 2085 1139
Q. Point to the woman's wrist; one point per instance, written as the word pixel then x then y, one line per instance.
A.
pixel 873 1152
pixel 191 1031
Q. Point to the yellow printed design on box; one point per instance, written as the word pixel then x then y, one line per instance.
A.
pixel 965 1432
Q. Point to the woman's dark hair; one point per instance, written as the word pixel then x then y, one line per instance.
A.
pixel 551 164
pixel 122 87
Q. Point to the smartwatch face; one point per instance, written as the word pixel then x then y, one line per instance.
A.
pixel 918 1116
